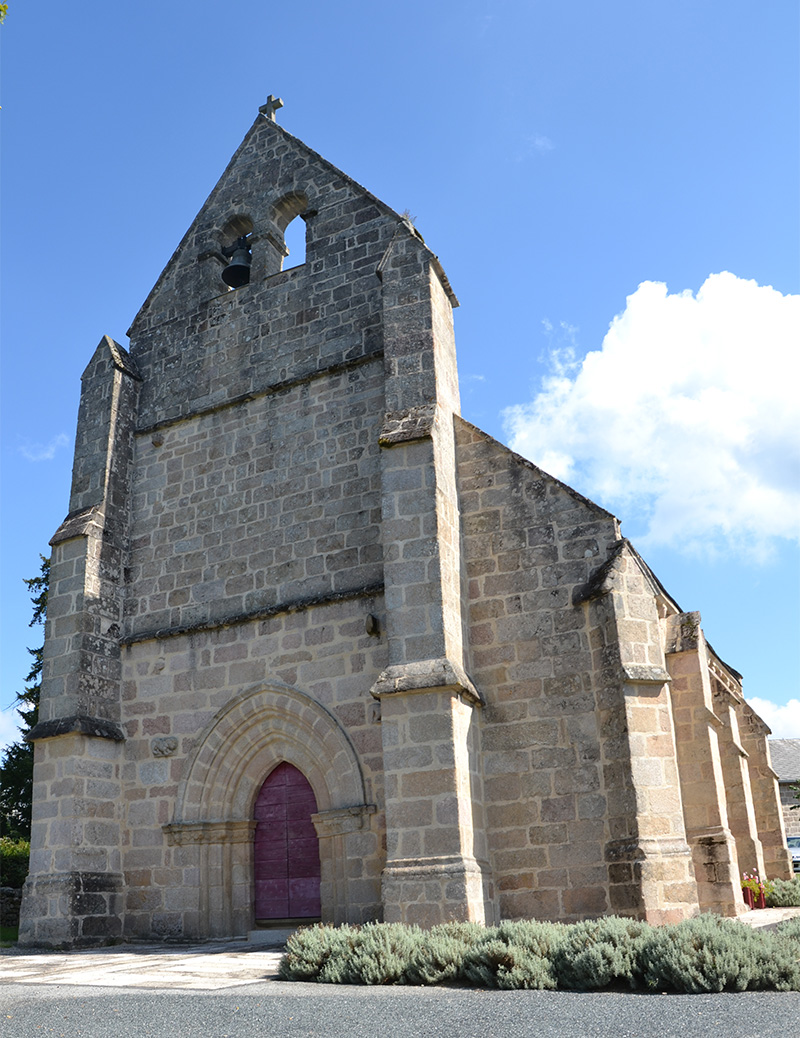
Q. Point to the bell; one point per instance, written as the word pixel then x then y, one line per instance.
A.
pixel 237 273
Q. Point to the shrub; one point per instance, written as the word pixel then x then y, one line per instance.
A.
pixel 710 954
pixel 14 855
pixel 381 953
pixel 309 950
pixel 706 954
pixel 790 930
pixel 376 953
pixel 600 952
pixel 497 964
pixel 785 893
pixel 537 937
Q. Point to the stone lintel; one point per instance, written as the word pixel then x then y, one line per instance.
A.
pixel 427 676
pixel 179 834
pixel 77 723
pixel 644 674
pixel 342 820
pixel 407 426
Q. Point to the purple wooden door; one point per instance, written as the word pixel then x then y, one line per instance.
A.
pixel 287 868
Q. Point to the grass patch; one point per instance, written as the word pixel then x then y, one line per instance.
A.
pixel 706 954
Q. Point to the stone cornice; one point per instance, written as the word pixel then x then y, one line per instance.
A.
pixel 78 724
pixel 426 676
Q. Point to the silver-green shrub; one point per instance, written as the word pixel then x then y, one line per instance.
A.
pixel 710 954
pixel 496 964
pixel 600 952
pixel 437 960
pixel 706 954
pixel 785 893
pixel 379 953
pixel 790 930
pixel 309 950
pixel 540 938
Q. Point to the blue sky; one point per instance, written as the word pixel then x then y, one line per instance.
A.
pixel 556 156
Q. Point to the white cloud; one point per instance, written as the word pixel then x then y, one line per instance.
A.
pixel 541 143
pixel 784 720
pixel 686 417
pixel 43 451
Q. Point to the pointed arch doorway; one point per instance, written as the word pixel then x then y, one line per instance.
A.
pixel 286 849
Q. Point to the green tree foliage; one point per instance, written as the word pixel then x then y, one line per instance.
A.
pixel 3 12
pixel 16 768
pixel 14 856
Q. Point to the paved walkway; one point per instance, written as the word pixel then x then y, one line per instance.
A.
pixel 198 967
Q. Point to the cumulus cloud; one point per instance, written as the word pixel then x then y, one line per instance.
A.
pixel 783 719
pixel 686 417
pixel 43 451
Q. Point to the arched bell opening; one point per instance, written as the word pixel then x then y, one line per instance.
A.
pixel 236 247
pixel 294 238
pixel 286 857
pixel 289 216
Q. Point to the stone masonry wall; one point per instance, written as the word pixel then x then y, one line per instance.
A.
pixel 271 501
pixel 529 541
pixel 172 691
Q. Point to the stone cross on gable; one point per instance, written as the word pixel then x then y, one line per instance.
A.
pixel 271 107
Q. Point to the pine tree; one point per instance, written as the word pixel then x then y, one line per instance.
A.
pixel 16 768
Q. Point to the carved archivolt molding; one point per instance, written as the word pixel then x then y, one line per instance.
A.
pixel 253 733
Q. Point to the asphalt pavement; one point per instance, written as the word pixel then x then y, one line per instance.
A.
pixel 273 1008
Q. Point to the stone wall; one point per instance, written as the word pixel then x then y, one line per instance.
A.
pixel 529 542
pixel 271 501
pixel 177 691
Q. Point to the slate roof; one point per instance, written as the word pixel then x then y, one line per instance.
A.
pixel 785 755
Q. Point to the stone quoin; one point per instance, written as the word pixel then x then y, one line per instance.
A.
pixel 285 549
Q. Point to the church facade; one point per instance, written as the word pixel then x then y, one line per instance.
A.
pixel 317 647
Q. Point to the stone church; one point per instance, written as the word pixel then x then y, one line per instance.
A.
pixel 319 648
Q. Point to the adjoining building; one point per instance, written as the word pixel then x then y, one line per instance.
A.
pixel 785 754
pixel 317 647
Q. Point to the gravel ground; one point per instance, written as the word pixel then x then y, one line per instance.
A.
pixel 272 1008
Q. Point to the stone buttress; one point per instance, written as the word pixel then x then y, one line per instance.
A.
pixel 74 892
